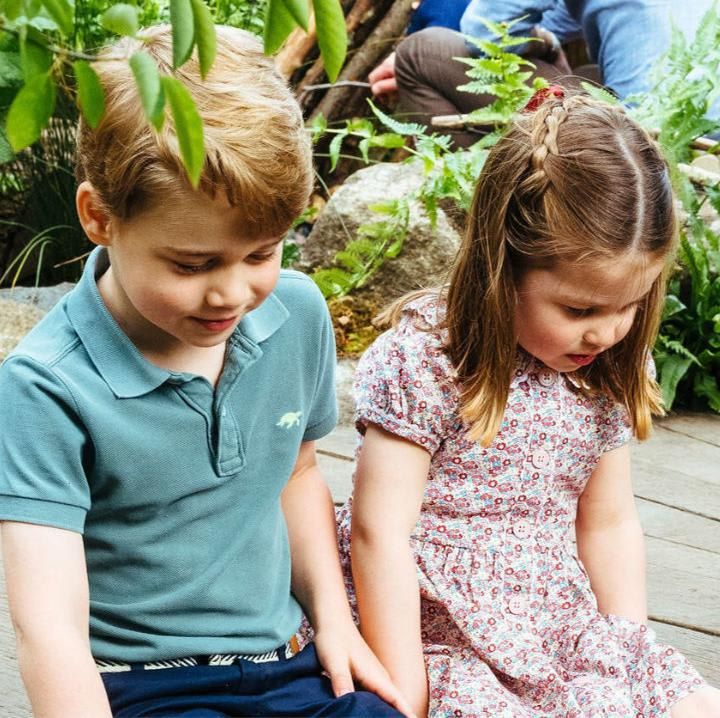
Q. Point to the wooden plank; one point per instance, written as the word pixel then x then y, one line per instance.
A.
pixel 705 427
pixel 341 442
pixel 670 486
pixel 673 450
pixel 338 476
pixel 673 524
pixel 13 700
pixel 703 651
pixel 683 585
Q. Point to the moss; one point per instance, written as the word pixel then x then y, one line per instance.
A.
pixel 352 319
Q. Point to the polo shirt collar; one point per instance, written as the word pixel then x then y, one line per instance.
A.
pixel 117 359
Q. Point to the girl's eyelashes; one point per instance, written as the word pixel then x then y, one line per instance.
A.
pixel 587 311
pixel 577 311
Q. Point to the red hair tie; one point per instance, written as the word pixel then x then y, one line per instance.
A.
pixel 543 94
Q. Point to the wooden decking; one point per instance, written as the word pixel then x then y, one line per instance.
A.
pixel 677 485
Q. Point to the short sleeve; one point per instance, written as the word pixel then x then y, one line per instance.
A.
pixel 323 413
pixel 616 427
pixel 404 384
pixel 43 444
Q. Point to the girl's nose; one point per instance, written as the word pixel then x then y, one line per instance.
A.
pixel 602 335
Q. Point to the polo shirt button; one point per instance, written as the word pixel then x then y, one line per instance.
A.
pixel 540 459
pixel 546 377
pixel 223 412
pixel 521 529
pixel 516 605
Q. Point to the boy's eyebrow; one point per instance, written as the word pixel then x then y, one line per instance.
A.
pixel 195 253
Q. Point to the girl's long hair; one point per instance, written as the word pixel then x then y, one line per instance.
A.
pixel 576 181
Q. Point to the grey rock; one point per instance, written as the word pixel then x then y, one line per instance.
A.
pixel 344 372
pixel 42 298
pixel 427 253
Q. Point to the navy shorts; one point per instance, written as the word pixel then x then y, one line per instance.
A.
pixel 292 686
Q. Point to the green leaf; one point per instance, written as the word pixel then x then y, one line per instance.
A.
pixel 332 282
pixel 600 93
pixel 30 111
pixel 147 79
pixel 6 153
pixel 122 19
pixel 61 13
pixel 334 149
pixel 399 128
pixel 332 35
pixel 318 126
pixel 279 23
pixel 91 96
pixel 35 58
pixel 204 36
pixel 298 9
pixel 183 31
pixel 11 73
pixel 13 9
pixel 707 386
pixel 188 127
pixel 672 371
pixel 672 306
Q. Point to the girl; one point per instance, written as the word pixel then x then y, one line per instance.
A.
pixel 495 417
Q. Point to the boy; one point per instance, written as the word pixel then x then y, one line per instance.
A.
pixel 157 469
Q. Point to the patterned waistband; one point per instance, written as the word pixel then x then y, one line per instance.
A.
pixel 216 659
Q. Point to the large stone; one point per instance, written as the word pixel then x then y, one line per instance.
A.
pixel 21 308
pixel 428 251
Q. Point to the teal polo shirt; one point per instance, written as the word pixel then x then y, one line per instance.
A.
pixel 175 485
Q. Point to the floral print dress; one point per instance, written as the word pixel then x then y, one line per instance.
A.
pixel 510 624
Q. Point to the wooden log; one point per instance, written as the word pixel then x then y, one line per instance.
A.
pixel 358 14
pixel 296 48
pixel 388 30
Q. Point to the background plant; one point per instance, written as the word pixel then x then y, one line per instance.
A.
pixel 47 49
pixel 686 84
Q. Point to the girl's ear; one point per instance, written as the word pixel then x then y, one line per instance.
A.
pixel 94 218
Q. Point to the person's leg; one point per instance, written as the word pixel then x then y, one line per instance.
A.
pixel 285 687
pixel 428 76
pixel 194 692
pixel 625 39
pixel 703 703
pixel 297 687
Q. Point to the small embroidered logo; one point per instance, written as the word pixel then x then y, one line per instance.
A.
pixel 292 418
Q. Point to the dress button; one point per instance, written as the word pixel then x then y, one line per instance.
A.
pixel 516 605
pixel 540 459
pixel 546 377
pixel 521 529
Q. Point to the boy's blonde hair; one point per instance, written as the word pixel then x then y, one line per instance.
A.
pixel 577 181
pixel 258 151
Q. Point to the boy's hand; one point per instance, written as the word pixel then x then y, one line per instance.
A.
pixel 347 658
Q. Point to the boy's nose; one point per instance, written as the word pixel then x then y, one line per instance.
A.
pixel 229 294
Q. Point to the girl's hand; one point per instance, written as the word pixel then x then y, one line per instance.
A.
pixel 346 658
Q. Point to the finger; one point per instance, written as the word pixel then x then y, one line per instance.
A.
pixel 341 681
pixel 384 87
pixel 378 73
pixel 380 683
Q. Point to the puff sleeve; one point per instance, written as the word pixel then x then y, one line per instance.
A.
pixel 404 384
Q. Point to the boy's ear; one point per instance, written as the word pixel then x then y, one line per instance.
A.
pixel 94 218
